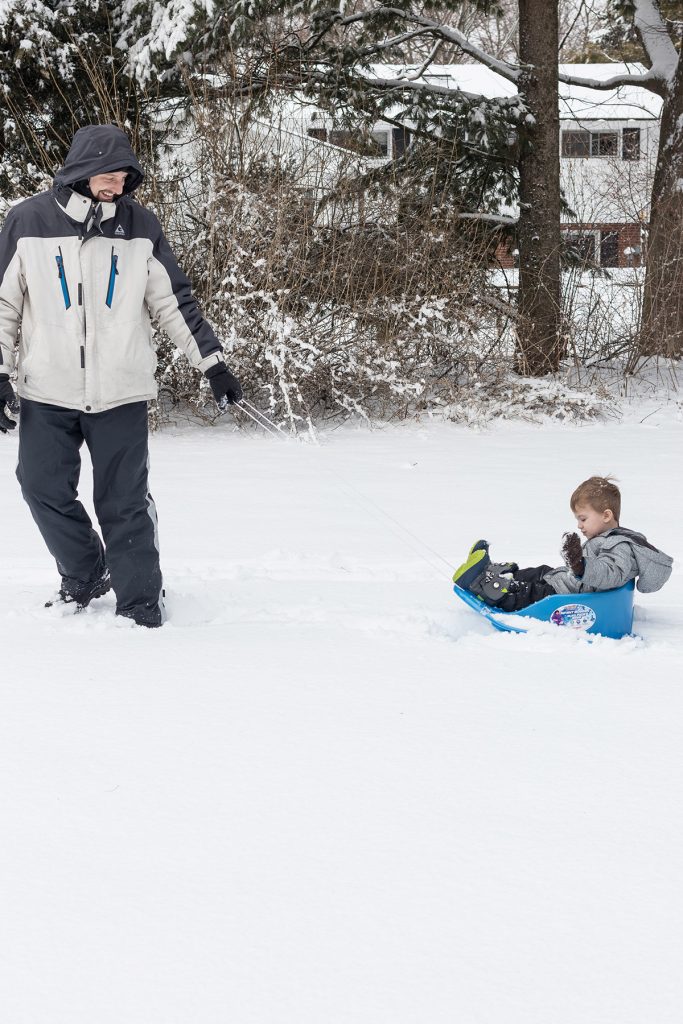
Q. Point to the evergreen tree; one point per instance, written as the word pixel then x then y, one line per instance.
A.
pixel 465 157
pixel 60 69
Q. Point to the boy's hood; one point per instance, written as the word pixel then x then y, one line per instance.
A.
pixel 654 566
pixel 637 539
pixel 96 149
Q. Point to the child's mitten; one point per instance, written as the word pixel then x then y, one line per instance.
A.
pixel 572 553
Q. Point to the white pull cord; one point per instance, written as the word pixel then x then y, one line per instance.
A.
pixel 275 431
pixel 258 417
pixel 399 526
pixel 254 414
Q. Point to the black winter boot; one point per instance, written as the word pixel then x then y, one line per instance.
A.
pixel 79 593
pixel 477 560
pixel 494 583
pixel 147 613
pixel 149 617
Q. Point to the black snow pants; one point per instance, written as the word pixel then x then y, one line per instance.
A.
pixel 50 439
pixel 532 587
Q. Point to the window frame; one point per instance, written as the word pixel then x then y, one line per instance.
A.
pixel 603 236
pixel 592 235
pixel 593 140
pixel 576 132
pixel 632 132
pixel 596 140
pixel 384 148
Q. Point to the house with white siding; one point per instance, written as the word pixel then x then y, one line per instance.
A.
pixel 608 149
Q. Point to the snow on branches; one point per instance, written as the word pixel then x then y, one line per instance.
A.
pixel 646 18
pixel 157 30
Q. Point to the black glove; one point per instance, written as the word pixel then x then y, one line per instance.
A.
pixel 9 399
pixel 225 386
pixel 572 553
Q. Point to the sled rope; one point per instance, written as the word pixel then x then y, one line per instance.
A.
pixel 258 417
pixel 275 431
pixel 404 531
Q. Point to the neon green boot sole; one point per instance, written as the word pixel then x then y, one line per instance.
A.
pixel 477 560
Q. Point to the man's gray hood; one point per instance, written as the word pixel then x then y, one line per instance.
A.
pixel 96 149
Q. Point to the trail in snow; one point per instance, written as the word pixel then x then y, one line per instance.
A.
pixel 325 790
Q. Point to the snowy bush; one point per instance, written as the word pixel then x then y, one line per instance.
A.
pixel 328 304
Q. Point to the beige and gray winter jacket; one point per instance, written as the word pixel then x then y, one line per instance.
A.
pixel 82 280
pixel 612 559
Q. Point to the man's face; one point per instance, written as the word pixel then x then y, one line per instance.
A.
pixel 592 523
pixel 105 187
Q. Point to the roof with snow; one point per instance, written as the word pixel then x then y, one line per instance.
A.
pixel 624 103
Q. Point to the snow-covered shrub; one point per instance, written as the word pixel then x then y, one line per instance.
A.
pixel 329 301
pixel 602 314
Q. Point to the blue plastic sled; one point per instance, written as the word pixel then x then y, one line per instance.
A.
pixel 607 613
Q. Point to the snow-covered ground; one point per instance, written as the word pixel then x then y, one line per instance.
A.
pixel 326 792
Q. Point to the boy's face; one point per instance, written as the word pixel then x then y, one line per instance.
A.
pixel 592 523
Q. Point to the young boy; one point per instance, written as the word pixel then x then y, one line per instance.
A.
pixel 610 557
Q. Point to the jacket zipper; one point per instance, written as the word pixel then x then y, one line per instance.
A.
pixel 112 277
pixel 62 279
pixel 82 304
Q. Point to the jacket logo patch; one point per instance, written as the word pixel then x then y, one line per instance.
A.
pixel 119 231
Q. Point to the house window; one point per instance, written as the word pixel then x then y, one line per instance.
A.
pixel 340 137
pixel 379 142
pixel 604 144
pixel 630 144
pixel 375 144
pixel 581 144
pixel 580 247
pixel 576 144
pixel 609 248
pixel 401 141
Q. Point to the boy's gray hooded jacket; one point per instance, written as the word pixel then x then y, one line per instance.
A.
pixel 82 280
pixel 612 559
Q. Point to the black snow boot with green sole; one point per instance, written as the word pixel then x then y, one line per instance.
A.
pixel 477 560
pixel 492 585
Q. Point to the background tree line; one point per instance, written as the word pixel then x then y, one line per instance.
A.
pixel 145 65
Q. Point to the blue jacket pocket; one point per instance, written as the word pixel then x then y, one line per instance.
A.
pixel 113 272
pixel 62 279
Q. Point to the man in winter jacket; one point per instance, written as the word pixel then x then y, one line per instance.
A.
pixel 83 268
pixel 610 557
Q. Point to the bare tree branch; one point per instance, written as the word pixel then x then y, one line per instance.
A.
pixel 490 218
pixel 571 28
pixel 440 31
pixel 659 47
pixel 401 84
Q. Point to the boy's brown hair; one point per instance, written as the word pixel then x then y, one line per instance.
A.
pixel 601 493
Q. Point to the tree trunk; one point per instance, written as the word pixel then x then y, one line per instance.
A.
pixel 539 344
pixel 661 328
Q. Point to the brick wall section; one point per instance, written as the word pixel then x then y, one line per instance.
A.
pixel 629 238
pixel 503 255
